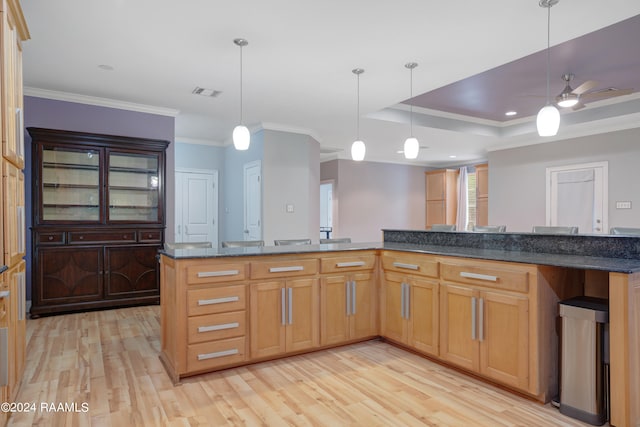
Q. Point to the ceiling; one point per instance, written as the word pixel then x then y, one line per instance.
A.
pixel 476 60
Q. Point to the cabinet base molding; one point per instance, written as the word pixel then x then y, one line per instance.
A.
pixel 177 377
pixel 542 398
pixel 94 305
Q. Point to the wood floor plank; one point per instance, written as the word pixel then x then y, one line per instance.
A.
pixel 109 360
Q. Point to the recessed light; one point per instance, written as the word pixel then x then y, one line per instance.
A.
pixel 453 156
pixel 510 113
pixel 106 67
pixel 400 152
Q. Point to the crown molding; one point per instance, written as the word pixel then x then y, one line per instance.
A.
pixel 199 141
pixel 100 102
pixel 290 129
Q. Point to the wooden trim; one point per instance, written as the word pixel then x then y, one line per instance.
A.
pixel 624 327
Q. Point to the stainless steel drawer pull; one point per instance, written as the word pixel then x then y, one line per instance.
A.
pixel 218 273
pixel 218 354
pixel 350 264
pixel 4 294
pixel 284 269
pixel 473 318
pixel 218 327
pixel 479 276
pixel 407 266
pixel 217 300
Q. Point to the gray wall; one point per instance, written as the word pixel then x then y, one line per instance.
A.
pixel 517 177
pixel 372 196
pixel 291 172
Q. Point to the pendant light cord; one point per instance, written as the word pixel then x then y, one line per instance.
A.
pixel 358 110
pixel 548 48
pixel 411 104
pixel 240 84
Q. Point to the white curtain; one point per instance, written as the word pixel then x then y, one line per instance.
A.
pixel 463 200
pixel 575 199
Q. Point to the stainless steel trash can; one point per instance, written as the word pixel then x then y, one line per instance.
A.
pixel 584 387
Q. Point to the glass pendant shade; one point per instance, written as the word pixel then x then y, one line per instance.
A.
pixel 358 150
pixel 411 148
pixel 241 137
pixel 548 121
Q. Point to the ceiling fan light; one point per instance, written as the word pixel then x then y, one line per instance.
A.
pixel 241 137
pixel 566 100
pixel 358 150
pixel 411 148
pixel 548 121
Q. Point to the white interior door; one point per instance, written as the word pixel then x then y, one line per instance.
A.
pixel 253 201
pixel 197 206
pixel 577 195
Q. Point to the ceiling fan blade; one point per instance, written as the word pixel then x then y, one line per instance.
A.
pixel 604 93
pixel 578 106
pixel 584 87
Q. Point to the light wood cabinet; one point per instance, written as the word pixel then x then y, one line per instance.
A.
pixel 441 197
pixel 284 316
pixel 409 301
pixel 13 31
pixel 482 194
pixel 348 303
pixel 485 321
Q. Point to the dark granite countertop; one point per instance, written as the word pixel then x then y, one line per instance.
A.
pixel 618 265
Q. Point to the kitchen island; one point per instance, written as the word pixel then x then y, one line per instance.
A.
pixel 229 307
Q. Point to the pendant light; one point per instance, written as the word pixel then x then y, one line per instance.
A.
pixel 241 134
pixel 411 145
pixel 358 148
pixel 548 120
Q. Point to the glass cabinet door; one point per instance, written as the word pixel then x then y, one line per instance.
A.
pixel 133 184
pixel 70 184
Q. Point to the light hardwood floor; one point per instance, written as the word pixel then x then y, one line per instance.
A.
pixel 109 360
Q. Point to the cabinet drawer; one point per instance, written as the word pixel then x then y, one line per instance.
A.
pixel 352 263
pixel 217 326
pixel 101 236
pixel 51 238
pixel 216 300
pixel 284 268
pixel 209 355
pixel 149 236
pixel 424 265
pixel 215 273
pixel 481 274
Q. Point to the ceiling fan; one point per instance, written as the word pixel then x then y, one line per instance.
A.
pixel 576 98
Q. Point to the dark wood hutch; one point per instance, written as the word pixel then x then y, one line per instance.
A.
pixel 98 220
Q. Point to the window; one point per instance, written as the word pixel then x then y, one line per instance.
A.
pixel 471 200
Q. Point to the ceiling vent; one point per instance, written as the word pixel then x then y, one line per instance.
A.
pixel 206 92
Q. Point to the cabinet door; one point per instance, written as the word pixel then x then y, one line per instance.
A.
pixel 17 326
pixel 363 320
pixel 482 181
pixel 482 211
pixel 504 338
pixel 334 322
pixel 69 185
pixel 14 215
pixel 458 337
pixel 303 317
pixel 436 212
pixel 68 275
pixel 423 316
pixel 435 183
pixel 134 187
pixel 393 322
pixel 131 271
pixel 268 318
